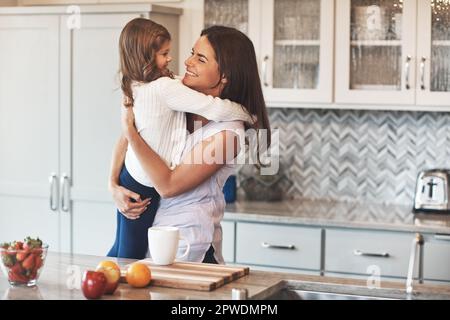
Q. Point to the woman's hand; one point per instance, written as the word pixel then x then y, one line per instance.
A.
pixel 122 198
pixel 128 126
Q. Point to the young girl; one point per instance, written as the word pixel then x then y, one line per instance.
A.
pixel 159 102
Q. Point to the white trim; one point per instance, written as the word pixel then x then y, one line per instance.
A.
pixel 341 106
pixel 297 42
pixel 88 9
pixel 376 43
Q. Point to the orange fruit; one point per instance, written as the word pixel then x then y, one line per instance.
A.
pixel 138 275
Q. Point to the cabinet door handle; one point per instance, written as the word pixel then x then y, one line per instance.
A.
pixel 370 254
pixel 445 237
pixel 275 246
pixel 422 73
pixel 407 72
pixel 53 189
pixel 264 68
pixel 64 189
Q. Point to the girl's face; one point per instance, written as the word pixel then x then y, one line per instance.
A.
pixel 162 56
pixel 202 70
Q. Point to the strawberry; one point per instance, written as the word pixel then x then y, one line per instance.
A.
pixel 8 260
pixel 32 243
pixel 28 263
pixel 37 262
pixel 17 269
pixel 16 245
pixel 21 255
pixel 17 277
pixel 4 245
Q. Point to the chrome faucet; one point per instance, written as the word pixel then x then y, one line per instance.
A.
pixel 417 246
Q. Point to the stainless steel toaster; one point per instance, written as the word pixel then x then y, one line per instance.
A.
pixel 432 191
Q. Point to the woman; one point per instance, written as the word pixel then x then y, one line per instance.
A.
pixel 222 64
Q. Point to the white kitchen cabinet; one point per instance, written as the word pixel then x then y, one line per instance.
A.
pixel 433 53
pixel 29 130
pixel 393 53
pixel 293 40
pixel 375 51
pixel 228 240
pixel 437 257
pixel 364 252
pixel 278 246
pixel 60 113
pixel 297 51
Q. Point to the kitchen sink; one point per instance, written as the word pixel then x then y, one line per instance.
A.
pixel 299 290
pixel 286 294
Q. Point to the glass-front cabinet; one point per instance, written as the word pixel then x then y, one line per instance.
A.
pixel 433 52
pixel 297 51
pixel 393 52
pixel 375 51
pixel 294 44
pixel 363 54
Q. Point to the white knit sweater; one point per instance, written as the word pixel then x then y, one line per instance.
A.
pixel 159 108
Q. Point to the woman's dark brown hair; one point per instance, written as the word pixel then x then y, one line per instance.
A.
pixel 236 57
pixel 139 42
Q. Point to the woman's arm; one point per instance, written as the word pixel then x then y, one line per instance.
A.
pixel 190 173
pixel 182 98
pixel 122 196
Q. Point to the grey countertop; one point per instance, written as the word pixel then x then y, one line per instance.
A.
pixel 57 282
pixel 324 213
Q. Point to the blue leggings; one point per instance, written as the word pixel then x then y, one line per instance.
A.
pixel 131 235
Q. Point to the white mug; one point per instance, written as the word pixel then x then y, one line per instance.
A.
pixel 163 244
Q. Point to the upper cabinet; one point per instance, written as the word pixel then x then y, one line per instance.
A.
pixel 376 54
pixel 393 52
pixel 294 44
pixel 375 51
pixel 433 52
pixel 297 51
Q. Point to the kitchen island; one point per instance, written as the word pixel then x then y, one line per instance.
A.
pixel 62 273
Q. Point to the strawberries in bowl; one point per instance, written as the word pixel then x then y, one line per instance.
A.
pixel 22 261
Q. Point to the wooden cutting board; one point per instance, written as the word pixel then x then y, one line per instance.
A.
pixel 192 276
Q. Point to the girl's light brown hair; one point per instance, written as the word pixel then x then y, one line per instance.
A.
pixel 139 42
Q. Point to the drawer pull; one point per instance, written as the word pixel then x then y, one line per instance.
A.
pixel 445 237
pixel 275 246
pixel 369 254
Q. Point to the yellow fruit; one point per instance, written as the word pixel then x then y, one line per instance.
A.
pixel 138 275
pixel 112 272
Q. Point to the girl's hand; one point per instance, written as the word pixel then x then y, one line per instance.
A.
pixel 128 126
pixel 122 198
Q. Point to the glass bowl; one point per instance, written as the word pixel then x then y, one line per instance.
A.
pixel 23 267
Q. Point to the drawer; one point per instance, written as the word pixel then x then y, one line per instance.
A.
pixel 228 241
pixel 278 246
pixel 437 257
pixel 345 251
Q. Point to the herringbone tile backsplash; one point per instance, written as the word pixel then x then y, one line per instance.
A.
pixel 368 156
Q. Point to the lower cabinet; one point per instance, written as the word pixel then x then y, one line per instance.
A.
pixel 437 257
pixel 342 252
pixel 368 252
pixel 278 246
pixel 228 236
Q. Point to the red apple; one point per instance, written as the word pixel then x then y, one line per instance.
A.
pixel 93 284
pixel 112 278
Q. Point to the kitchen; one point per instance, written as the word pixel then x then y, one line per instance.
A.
pixel 359 103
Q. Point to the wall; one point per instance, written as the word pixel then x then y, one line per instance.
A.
pixel 5 3
pixel 369 156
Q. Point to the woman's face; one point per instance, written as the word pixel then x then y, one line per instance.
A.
pixel 162 56
pixel 202 70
